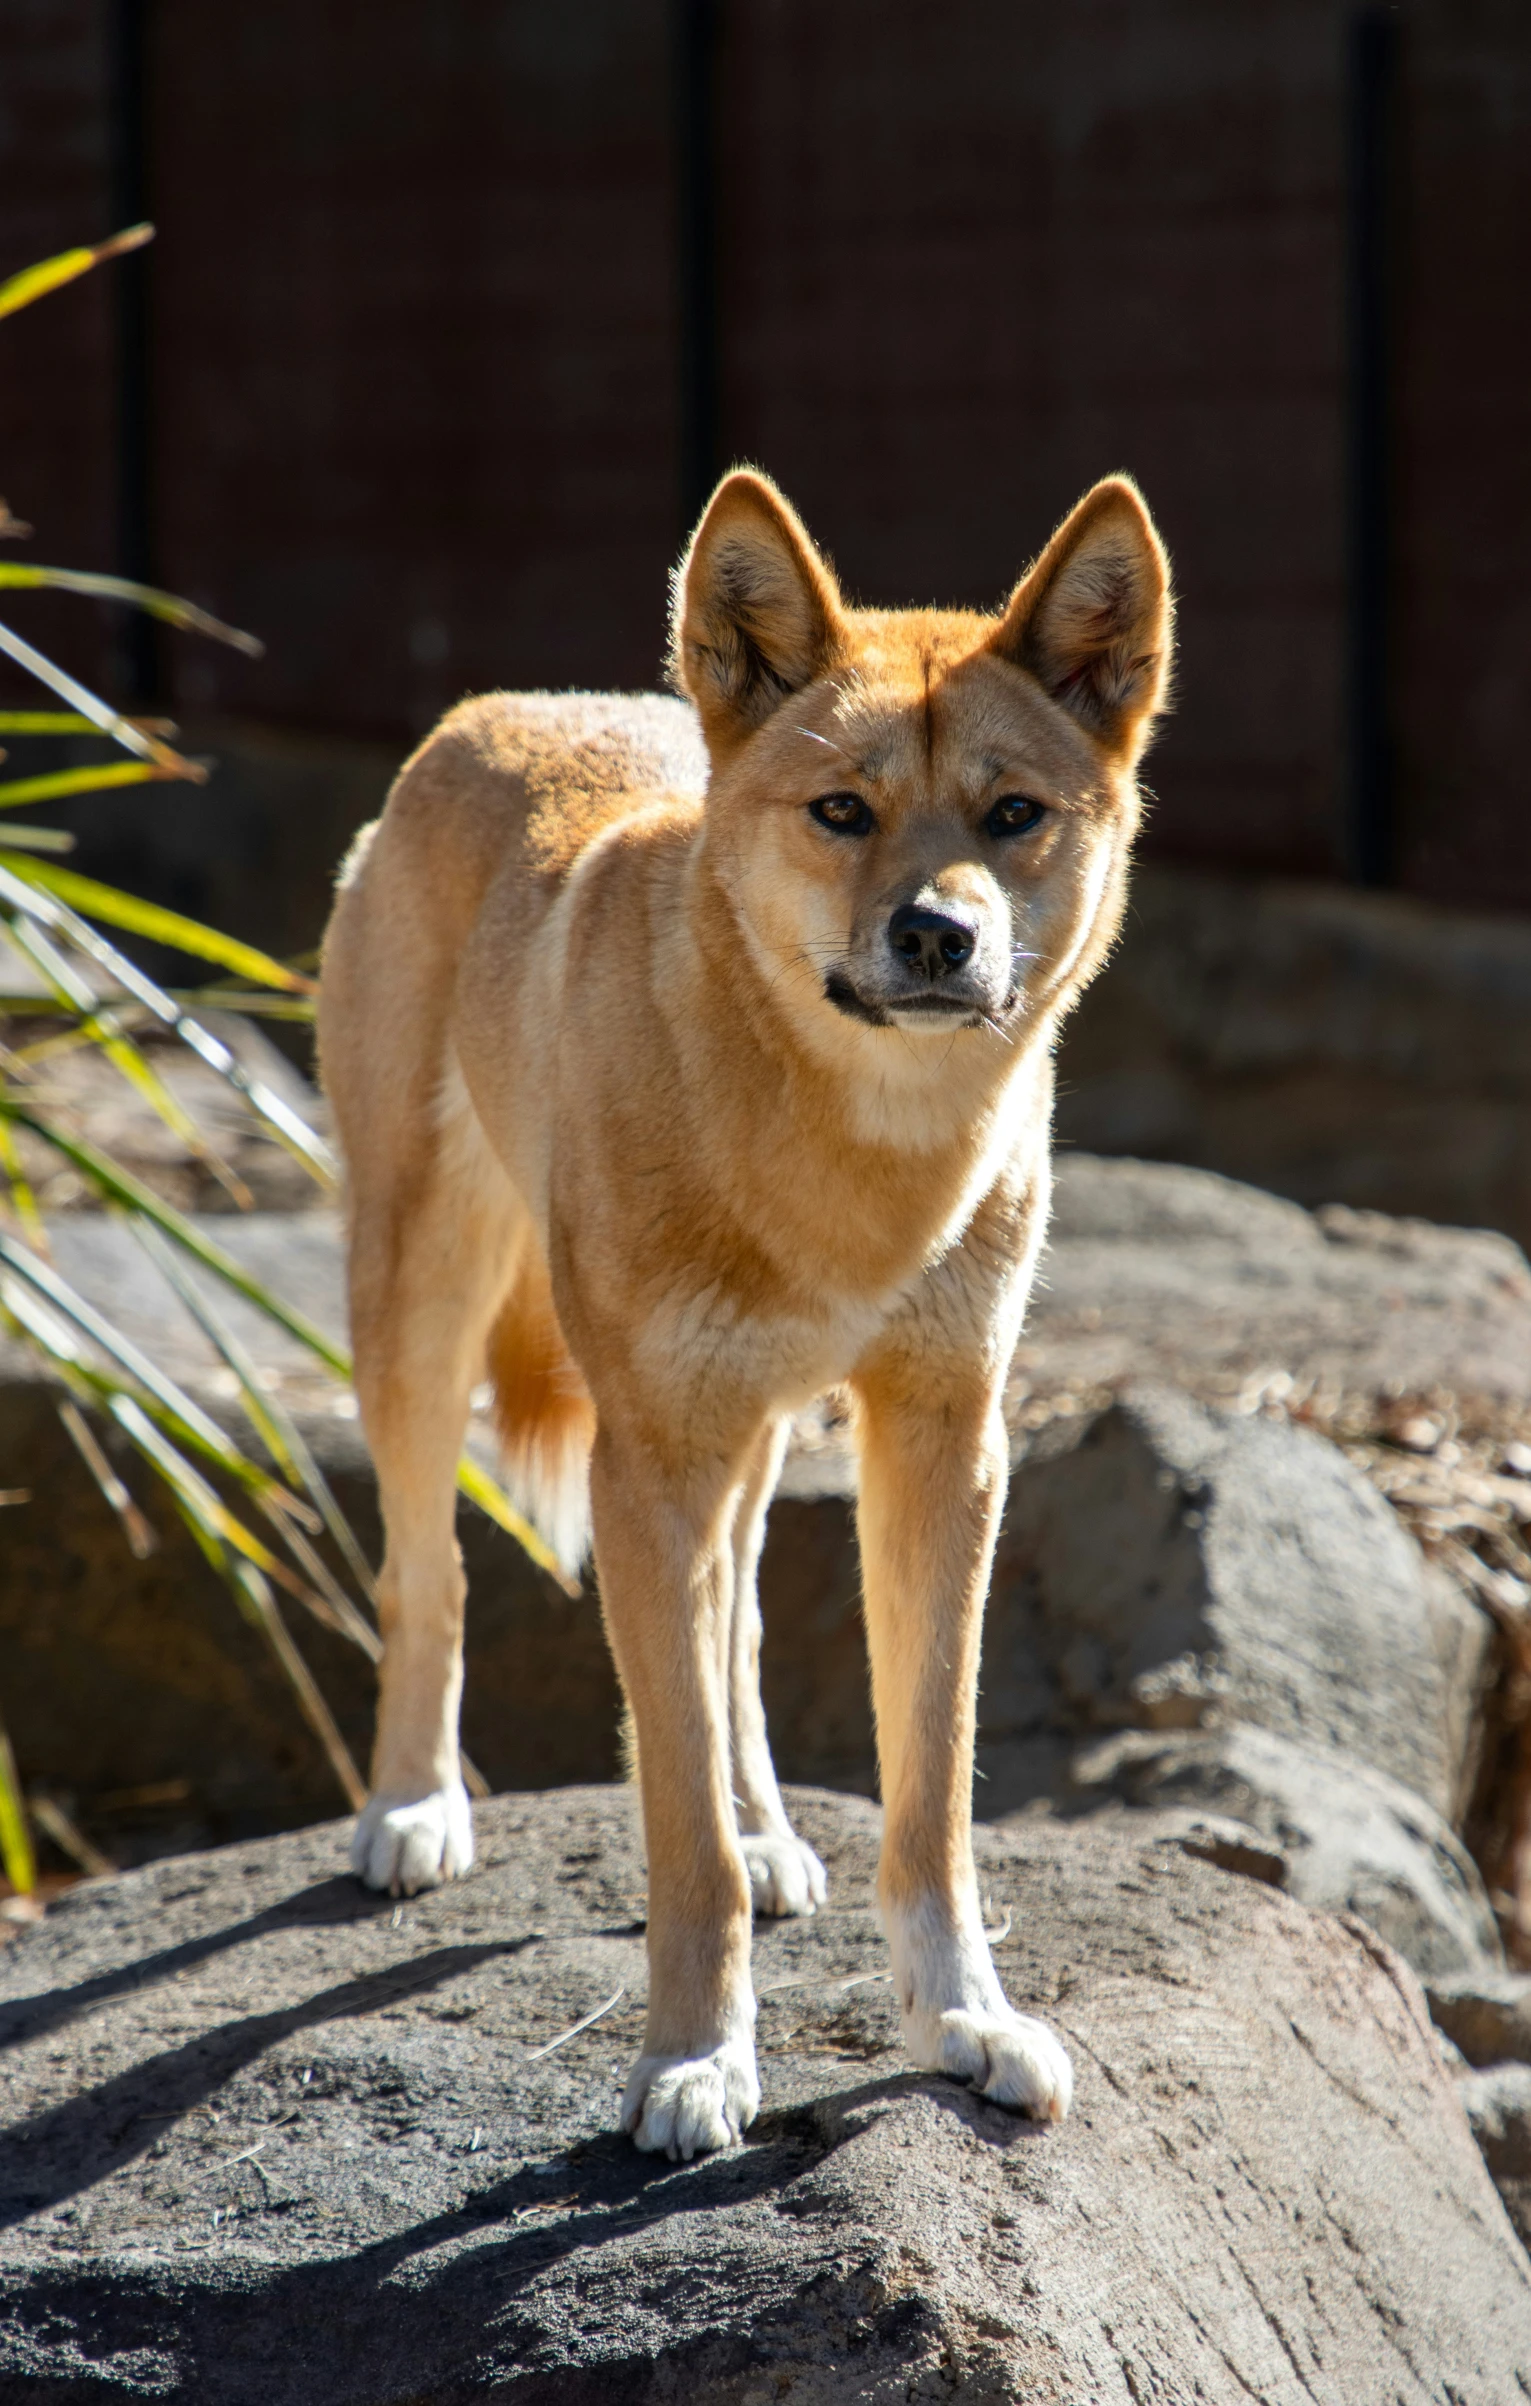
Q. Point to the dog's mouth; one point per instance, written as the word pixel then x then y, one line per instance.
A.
pixel 933 1006
pixel 949 1010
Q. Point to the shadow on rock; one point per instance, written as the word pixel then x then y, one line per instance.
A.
pixel 326 1904
pixel 101 2129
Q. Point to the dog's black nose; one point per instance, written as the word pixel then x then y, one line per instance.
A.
pixel 931 943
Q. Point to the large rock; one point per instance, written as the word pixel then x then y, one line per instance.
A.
pixel 272 2138
pixel 1181 1276
pixel 1498 2107
pixel 1315 1039
pixel 1182 1565
pixel 1486 2015
pixel 1349 1838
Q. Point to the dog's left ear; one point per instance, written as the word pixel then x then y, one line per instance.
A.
pixel 1092 620
pixel 757 614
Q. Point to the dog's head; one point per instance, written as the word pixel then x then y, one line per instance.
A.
pixel 921 817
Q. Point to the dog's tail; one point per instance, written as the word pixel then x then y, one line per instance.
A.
pixel 544 1415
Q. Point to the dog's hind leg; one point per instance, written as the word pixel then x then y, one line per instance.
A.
pixel 429 1261
pixel 786 1875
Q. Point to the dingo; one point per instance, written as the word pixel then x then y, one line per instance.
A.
pixel 678 1086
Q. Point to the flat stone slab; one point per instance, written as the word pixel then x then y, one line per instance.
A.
pixel 1180 1276
pixel 271 2138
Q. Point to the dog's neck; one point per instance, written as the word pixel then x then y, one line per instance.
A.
pixel 893 1139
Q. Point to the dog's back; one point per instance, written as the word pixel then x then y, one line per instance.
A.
pixel 509 791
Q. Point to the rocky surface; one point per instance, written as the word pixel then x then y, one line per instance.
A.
pixel 1182 1565
pixel 1315 1039
pixel 1181 1276
pixel 1486 2016
pixel 1343 1835
pixel 1498 2107
pixel 270 2137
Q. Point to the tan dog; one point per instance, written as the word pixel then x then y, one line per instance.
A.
pixel 680 1087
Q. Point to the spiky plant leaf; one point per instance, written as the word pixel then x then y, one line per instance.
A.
pixel 32 283
pixel 57 784
pixel 168 607
pixel 128 911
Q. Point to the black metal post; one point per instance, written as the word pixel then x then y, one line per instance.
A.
pixel 1371 82
pixel 695 66
pixel 138 651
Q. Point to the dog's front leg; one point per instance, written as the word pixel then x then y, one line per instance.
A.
pixel 934 1463
pixel 665 1560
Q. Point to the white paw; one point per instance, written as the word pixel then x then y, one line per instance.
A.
pixel 407 1843
pixel 1014 2060
pixel 684 2106
pixel 785 1875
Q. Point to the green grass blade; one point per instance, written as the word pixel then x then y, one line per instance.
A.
pixel 32 283
pixel 102 1028
pixel 168 607
pixel 172 1463
pixel 141 1536
pixel 340 1614
pixel 297 1007
pixel 304 1686
pixel 258 1606
pixel 15 1838
pixel 140 918
pixel 59 782
pixel 23 1201
pixel 64 1358
pixel 120 1186
pixel 110 1179
pixel 40 839
pixel 270 1417
pixel 490 1497
pixel 101 715
pixel 257 1404
pixel 130 1064
pixel 55 1291
pixel 45 722
pixel 24 892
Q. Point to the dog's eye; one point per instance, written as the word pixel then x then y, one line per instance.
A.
pixel 842 814
pixel 1015 814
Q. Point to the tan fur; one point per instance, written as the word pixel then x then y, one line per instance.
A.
pixel 657 1102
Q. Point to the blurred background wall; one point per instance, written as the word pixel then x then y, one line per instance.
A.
pixel 456 309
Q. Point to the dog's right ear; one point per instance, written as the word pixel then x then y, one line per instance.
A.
pixel 757 614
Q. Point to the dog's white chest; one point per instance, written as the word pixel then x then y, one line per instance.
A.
pixel 780 1360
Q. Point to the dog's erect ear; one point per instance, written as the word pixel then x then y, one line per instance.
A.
pixel 1092 619
pixel 757 613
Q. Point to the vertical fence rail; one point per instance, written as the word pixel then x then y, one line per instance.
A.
pixel 695 38
pixel 1370 97
pixel 138 664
